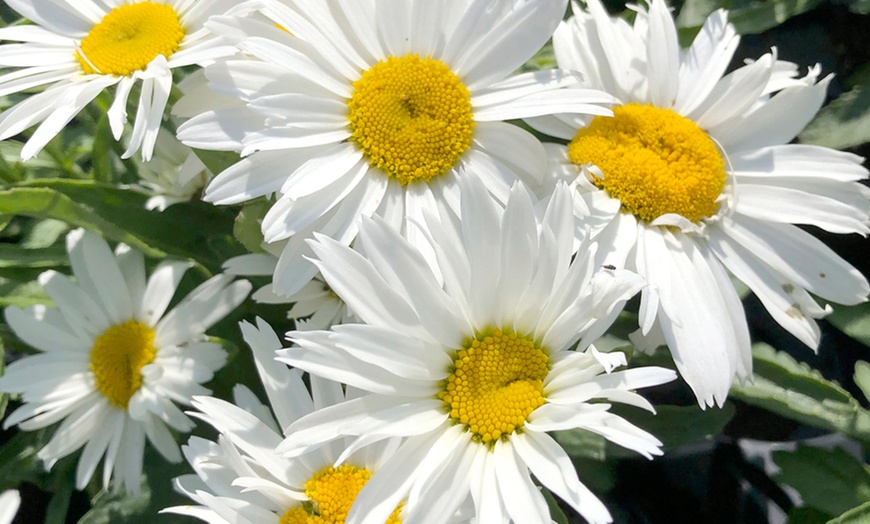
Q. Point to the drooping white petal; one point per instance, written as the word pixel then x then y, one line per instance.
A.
pixel 554 469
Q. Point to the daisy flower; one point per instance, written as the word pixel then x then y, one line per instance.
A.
pixel 476 371
pixel 175 174
pixel 9 502
pixel 694 177
pixel 114 362
pixel 355 108
pixel 79 48
pixel 315 306
pixel 240 478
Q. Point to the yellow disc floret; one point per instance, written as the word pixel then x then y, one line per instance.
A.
pixel 411 117
pixel 497 381
pixel 129 38
pixel 654 161
pixel 117 359
pixel 331 493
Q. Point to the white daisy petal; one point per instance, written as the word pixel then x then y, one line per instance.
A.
pixel 664 51
pixel 378 304
pixel 521 497
pixel 801 258
pixel 284 387
pixel 705 62
pixel 44 329
pixel 553 468
pixel 208 303
pixel 318 356
pixel 9 502
pixel 777 122
pixel 734 94
pixel 789 305
pixel 514 39
pixel 381 494
pixel 445 490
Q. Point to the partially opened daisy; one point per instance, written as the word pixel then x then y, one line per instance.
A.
pixel 78 48
pixel 113 361
pixel 355 108
pixel 476 371
pixel 175 174
pixel 315 306
pixel 241 479
pixel 694 176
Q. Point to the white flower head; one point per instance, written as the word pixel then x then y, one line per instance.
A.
pixel 377 107
pixel 77 49
pixel 240 478
pixel 175 174
pixel 694 177
pixel 476 370
pixel 113 361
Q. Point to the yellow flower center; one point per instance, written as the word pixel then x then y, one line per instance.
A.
pixel 654 161
pixel 331 493
pixel 129 38
pixel 498 380
pixel 117 359
pixel 411 117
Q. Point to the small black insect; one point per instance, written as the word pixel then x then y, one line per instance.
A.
pixel 608 266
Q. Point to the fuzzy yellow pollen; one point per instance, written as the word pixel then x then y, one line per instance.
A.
pixel 129 38
pixel 411 117
pixel 654 161
pixel 331 493
pixel 498 380
pixel 117 359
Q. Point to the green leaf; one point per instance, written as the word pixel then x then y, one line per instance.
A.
pixel 761 15
pixel 843 123
pixel 853 321
pixel 44 202
pixel 556 512
pixel 678 426
pixel 829 480
pixel 861 7
pixel 12 255
pixel 4 398
pixel 101 162
pixel 692 15
pixel 807 515
pixel 216 161
pixel 194 230
pixel 18 460
pixel 15 293
pixel 796 391
pixel 56 512
pixel 545 58
pixel 156 493
pixel 9 172
pixel 859 515
pixel 582 443
pixel 247 228
pixel 862 377
pixel 44 233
